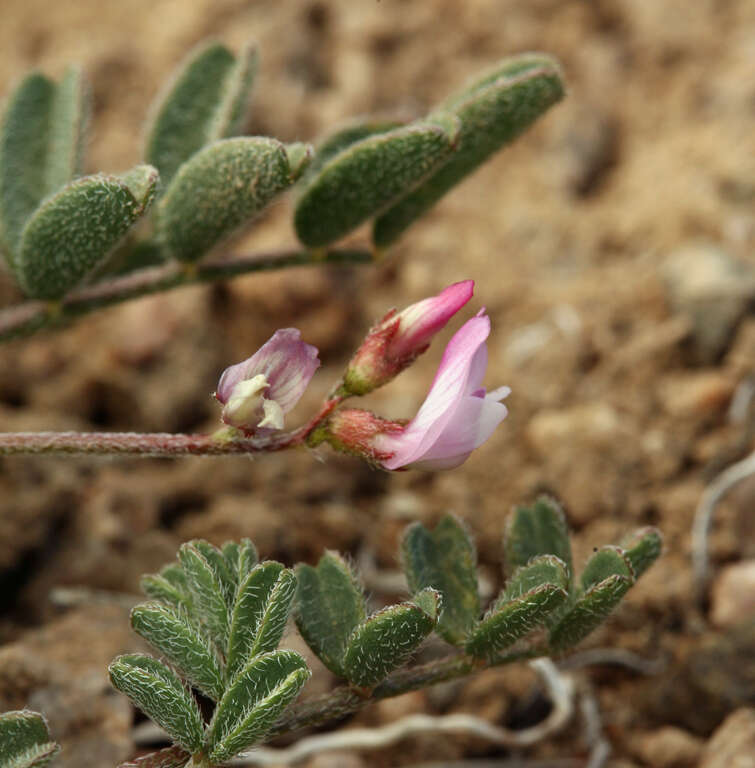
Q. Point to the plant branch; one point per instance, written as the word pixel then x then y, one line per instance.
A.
pixel 32 316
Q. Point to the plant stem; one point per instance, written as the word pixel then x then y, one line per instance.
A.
pixel 32 316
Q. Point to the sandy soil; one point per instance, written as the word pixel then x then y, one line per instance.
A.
pixel 583 238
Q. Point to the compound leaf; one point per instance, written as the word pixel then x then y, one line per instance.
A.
pixel 493 110
pixel 160 694
pixel 253 702
pixel 329 607
pixel 25 741
pixel 445 559
pixel 206 101
pixel 388 638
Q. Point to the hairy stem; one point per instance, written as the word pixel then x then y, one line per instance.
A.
pixel 32 316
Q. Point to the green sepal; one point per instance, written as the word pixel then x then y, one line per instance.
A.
pixel 41 147
pixel 208 593
pixel 388 638
pixel 344 137
pixel 260 614
pixel 25 740
pixel 536 530
pixel 605 580
pixel 493 111
pixel 206 101
pixel 329 606
pixel 253 702
pixel 530 597
pixel 445 559
pixel 73 233
pixel 642 549
pixel 182 642
pixel 369 175
pixel 218 191
pixel 158 692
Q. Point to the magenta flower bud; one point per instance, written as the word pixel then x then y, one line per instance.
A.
pixel 457 416
pixel 354 431
pixel 258 392
pixel 399 339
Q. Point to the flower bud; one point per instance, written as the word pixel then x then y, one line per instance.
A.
pixel 395 342
pixel 258 392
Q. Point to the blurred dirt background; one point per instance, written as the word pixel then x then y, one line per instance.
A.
pixel 613 248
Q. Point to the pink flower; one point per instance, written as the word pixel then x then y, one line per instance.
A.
pixel 398 339
pixel 259 391
pixel 457 415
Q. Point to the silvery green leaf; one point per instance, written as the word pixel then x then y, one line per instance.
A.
pixel 73 233
pixel 253 702
pixel 445 559
pixel 370 174
pixel 493 111
pixel 260 614
pixel 226 576
pixel 25 741
pixel 160 694
pixel 206 100
pixel 388 638
pixel 536 530
pixel 207 592
pixel 530 597
pixel 41 147
pixel 329 606
pixel 642 549
pixel 172 633
pixel 160 589
pixel 219 190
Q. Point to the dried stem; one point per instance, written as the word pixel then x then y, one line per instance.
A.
pixel 32 316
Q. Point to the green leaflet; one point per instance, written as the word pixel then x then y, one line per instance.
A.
pixel 219 190
pixel 253 702
pixel 493 111
pixel 642 549
pixel 226 576
pixel 388 638
pixel 368 175
pixel 206 101
pixel 605 580
pixel 41 147
pixel 25 741
pixel 536 530
pixel 329 607
pixel 182 643
pixel 161 695
pixel 72 234
pixel 159 588
pixel 259 615
pixel 445 559
pixel 207 592
pixel 530 596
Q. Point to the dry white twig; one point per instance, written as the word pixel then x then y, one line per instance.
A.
pixel 712 495
pixel 560 689
pixel 615 657
pixel 600 748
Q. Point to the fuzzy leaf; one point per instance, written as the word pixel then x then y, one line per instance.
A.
pixel 254 701
pixel 225 575
pixel 25 741
pixel 368 175
pixel 182 643
pixel 218 191
pixel 388 638
pixel 299 157
pixel 536 530
pixel 445 559
pixel 607 561
pixel 158 588
pixel 493 111
pixel 531 595
pixel 206 101
pixel 72 234
pixel 642 549
pixel 142 181
pixel 329 607
pixel 41 147
pixel 588 612
pixel 260 614
pixel 207 592
pixel 160 694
